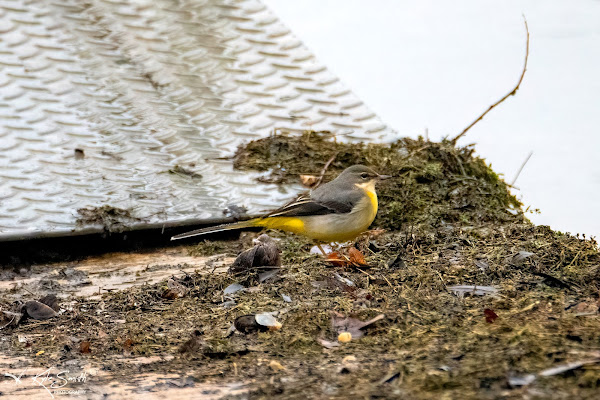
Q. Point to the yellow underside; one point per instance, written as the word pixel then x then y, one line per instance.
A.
pixel 319 227
pixel 374 203
pixel 290 224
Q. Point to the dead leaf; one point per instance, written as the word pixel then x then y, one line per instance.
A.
pixel 335 282
pixel 276 366
pixel 327 343
pixel 309 180
pixel 128 344
pixel 193 344
pixel 356 257
pixel 174 290
pixel 84 347
pixel 337 260
pixel 352 325
pixel 520 257
pixel 490 315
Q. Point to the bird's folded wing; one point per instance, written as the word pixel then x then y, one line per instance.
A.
pixel 305 205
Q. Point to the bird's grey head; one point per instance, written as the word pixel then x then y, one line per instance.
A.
pixel 360 174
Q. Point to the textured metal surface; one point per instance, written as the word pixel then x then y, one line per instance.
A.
pixel 141 87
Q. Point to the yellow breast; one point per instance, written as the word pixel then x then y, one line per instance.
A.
pixel 369 188
pixel 373 197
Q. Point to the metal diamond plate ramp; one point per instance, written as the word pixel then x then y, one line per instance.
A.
pixel 142 87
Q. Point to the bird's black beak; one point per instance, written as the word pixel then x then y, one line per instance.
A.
pixel 383 177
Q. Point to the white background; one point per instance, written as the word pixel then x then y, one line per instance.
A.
pixel 437 65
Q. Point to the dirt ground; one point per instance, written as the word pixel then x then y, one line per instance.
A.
pixel 472 301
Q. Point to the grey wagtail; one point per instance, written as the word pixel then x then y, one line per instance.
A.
pixel 337 211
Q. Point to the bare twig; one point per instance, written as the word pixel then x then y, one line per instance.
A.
pixel 327 164
pixel 512 184
pixel 511 93
pixel 10 322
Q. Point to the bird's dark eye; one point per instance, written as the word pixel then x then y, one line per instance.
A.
pixel 364 175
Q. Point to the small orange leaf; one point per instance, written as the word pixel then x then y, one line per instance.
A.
pixel 336 259
pixel 356 257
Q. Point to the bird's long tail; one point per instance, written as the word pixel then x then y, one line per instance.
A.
pixel 218 228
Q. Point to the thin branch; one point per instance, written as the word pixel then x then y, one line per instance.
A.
pixel 521 169
pixel 327 164
pixel 512 92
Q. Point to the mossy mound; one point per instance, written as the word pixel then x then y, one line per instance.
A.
pixel 433 184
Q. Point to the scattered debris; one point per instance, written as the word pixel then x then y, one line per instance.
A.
pixel 335 282
pixel 79 154
pixel 51 301
pixel 349 364
pixel 553 281
pixel 111 218
pixel 193 344
pixel 327 343
pixel 179 170
pixel 270 275
pixel 356 257
pixel 265 253
pixel 519 258
pixel 482 265
pixel 286 298
pixel 235 212
pixel 174 290
pixel 352 326
pixel 274 176
pixel 233 288
pixel 309 181
pixel 524 380
pixel 276 366
pixel 337 260
pixel 561 369
pixel 111 155
pixel 256 322
pixel 36 310
pixel 10 319
pixel 461 290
